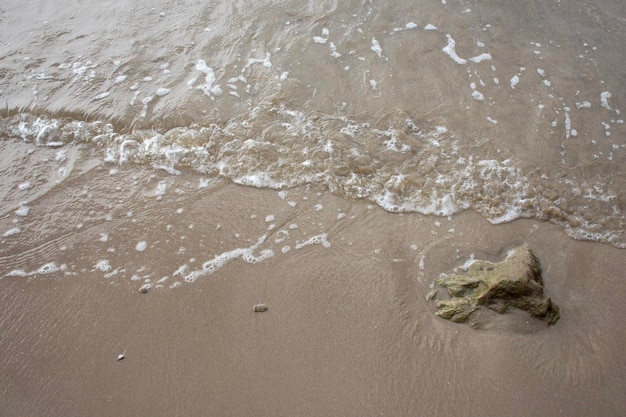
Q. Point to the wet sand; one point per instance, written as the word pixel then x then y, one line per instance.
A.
pixel 348 331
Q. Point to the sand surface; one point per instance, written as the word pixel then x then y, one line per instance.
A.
pixel 348 331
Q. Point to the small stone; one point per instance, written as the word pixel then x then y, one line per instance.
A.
pixel 260 308
pixel 145 288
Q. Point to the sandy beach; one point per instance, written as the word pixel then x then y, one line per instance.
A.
pixel 348 331
pixel 169 165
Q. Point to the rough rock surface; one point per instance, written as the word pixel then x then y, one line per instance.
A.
pixel 514 282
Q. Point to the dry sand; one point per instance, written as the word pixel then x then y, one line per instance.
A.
pixel 348 331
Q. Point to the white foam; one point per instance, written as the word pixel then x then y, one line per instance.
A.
pixel 260 180
pixel 141 246
pixel 45 269
pixel 321 239
pixel 476 95
pixel 267 63
pixel 468 263
pixel 319 39
pixel 481 57
pixel 209 87
pixel 568 123
pixel 102 95
pixel 120 79
pixel 22 211
pixel 181 270
pixel 512 213
pixel 103 265
pixel 160 188
pixel 604 100
pixel 12 232
pixel 376 48
pixel 514 81
pixel 215 264
pixel 61 155
pixel 163 92
pixel 430 27
pixel 49 268
pixel 24 186
pixel 449 50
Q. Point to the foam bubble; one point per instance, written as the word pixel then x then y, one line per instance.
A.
pixel 208 87
pixel 49 268
pixel 12 232
pixel 247 254
pixel 103 265
pixel 449 50
pixel 321 239
pixel 22 211
pixel 141 246
pixel 489 119
pixel 376 48
pixel 604 100
pixel 481 57
pixel 163 92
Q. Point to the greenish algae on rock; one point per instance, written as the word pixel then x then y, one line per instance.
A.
pixel 514 282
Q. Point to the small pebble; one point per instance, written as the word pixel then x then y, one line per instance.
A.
pixel 260 308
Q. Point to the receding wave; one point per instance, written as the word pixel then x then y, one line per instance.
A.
pixel 396 162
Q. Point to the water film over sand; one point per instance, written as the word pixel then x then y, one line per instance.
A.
pixel 226 209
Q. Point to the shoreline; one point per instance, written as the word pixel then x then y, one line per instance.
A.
pixel 347 330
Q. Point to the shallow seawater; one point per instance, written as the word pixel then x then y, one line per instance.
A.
pixel 152 144
pixel 506 109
